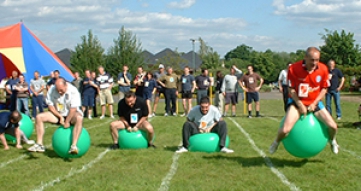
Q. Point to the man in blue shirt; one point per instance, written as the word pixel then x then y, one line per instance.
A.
pixel 10 90
pixel 124 79
pixel 337 79
pixel 9 123
pixel 89 91
pixel 188 86
pixel 202 82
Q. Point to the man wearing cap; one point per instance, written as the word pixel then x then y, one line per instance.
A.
pixel 160 89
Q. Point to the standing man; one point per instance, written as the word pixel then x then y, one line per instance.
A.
pixel 22 89
pixel 77 82
pixel 337 80
pixel 64 104
pixel 204 118
pixel 251 83
pixel 94 77
pixel 139 81
pixel 230 91
pixel 188 86
pixel 170 83
pixel 160 89
pixel 282 84
pixel 10 84
pixel 219 98
pixel 37 86
pixel 105 81
pixel 202 82
pixel 133 113
pixel 124 79
pixel 54 76
pixel 88 94
pixel 308 82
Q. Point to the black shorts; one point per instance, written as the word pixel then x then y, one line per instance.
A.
pixel 252 96
pixel 58 123
pixel 231 98
pixel 159 91
pixel 187 95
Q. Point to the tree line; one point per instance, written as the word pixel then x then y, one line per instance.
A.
pixel 127 50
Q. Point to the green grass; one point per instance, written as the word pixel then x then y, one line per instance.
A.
pixel 145 169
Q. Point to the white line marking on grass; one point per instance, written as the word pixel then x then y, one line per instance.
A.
pixel 267 160
pixel 164 186
pixel 73 172
pixel 351 152
pixel 3 164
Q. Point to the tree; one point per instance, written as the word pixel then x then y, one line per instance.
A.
pixel 88 54
pixel 242 52
pixel 210 58
pixel 341 48
pixel 125 51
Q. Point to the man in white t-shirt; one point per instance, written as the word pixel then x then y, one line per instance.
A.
pixel 64 103
pixel 283 85
pixel 204 118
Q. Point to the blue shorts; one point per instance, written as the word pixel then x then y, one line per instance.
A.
pixel 319 106
pixel 252 96
pixel 88 100
pixel 147 95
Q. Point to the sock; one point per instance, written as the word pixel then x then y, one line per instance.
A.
pixel 233 113
pixel 257 113
pixel 249 113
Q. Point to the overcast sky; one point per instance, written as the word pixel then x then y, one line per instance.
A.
pixel 279 25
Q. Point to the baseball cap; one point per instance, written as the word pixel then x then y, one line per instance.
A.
pixel 161 66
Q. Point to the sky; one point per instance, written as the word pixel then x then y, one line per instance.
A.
pixel 278 25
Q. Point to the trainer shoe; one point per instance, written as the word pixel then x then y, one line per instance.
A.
pixel 151 145
pixel 114 146
pixel 184 114
pixel 273 148
pixel 334 146
pixel 153 114
pixel 182 150
pixel 250 116
pixel 73 150
pixel 166 115
pixel 174 114
pixel 338 118
pixel 112 116
pixel 101 117
pixel 226 150
pixel 90 117
pixel 150 116
pixel 37 148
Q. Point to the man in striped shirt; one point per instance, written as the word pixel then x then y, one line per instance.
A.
pixel 105 81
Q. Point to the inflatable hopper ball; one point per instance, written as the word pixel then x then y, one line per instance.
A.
pixel 205 142
pixel 132 140
pixel 62 139
pixel 26 125
pixel 307 138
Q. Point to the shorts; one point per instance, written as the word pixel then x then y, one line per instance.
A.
pixel 319 106
pixel 7 130
pixel 58 123
pixel 147 95
pixel 159 91
pixel 106 97
pixel 88 100
pixel 231 98
pixel 187 95
pixel 252 96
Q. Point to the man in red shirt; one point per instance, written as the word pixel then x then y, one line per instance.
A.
pixel 308 82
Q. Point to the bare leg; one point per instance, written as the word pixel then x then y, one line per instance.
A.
pixel 103 110
pixel 184 101
pixel 189 105
pixel 149 106
pixel 324 116
pixel 257 106
pixel 111 109
pixel 114 127
pixel 40 119
pixel 150 131
pixel 156 100
pixel 291 118
pixel 78 125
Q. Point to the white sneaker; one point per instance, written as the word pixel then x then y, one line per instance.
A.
pixel 101 117
pixel 112 116
pixel 150 116
pixel 153 114
pixel 184 114
pixel 338 118
pixel 90 117
pixel 30 142
pixel 37 148
pixel 174 114
pixel 273 148
pixel 226 150
pixel 166 115
pixel 73 150
pixel 334 146
pixel 182 150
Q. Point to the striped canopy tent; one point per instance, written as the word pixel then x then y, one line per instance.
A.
pixel 21 49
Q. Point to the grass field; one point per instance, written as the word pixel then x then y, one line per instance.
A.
pixel 249 168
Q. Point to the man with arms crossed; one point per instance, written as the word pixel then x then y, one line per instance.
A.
pixel 133 113
pixel 308 82
pixel 64 103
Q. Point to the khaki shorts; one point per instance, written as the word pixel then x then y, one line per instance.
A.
pixel 106 97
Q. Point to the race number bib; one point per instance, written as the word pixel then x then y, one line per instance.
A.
pixel 133 118
pixel 303 90
pixel 205 82
pixel 121 80
pixel 203 125
pixel 146 84
pixel 184 80
pixel 171 79
pixel 251 80
pixel 60 107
